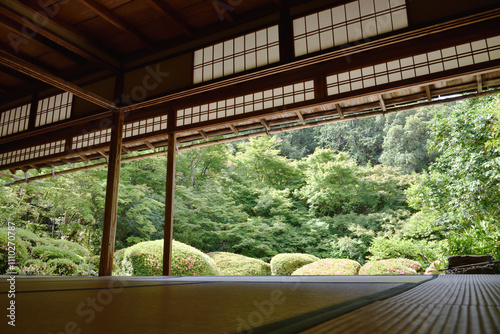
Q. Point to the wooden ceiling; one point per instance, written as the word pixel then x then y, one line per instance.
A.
pixel 96 49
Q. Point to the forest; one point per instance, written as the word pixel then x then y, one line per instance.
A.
pixel 420 185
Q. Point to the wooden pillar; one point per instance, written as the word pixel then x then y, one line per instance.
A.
pixel 169 206
pixel 287 49
pixel 111 204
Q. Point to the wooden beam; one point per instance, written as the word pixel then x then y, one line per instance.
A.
pixel 22 36
pixel 266 125
pixel 125 150
pixel 84 158
pixel 163 8
pixel 148 144
pixel 382 103
pixel 30 15
pixel 117 21
pixel 301 117
pixel 428 92
pixel 203 134
pixel 479 83
pixel 169 206
pixel 222 9
pixel 41 74
pixel 339 110
pixel 233 128
pixel 111 203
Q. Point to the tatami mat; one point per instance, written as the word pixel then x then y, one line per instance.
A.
pixel 183 304
pixel 455 304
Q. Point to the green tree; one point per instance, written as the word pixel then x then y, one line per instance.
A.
pixel 405 141
pixel 362 139
pixel 462 187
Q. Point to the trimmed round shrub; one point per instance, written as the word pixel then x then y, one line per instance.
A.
pixel 51 252
pixel 62 267
pixel 287 263
pixel 230 264
pixel 330 267
pixel 391 267
pixel 146 259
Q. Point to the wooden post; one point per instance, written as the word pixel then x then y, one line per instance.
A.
pixel 169 206
pixel 111 204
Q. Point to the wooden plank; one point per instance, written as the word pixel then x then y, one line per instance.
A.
pixel 111 203
pixel 164 8
pixel 41 74
pixel 169 205
pixel 117 21
pixel 56 32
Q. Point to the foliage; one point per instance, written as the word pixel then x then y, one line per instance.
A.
pixel 50 252
pixel 330 267
pixel 462 187
pixel 230 264
pixel 35 267
pixel 62 267
pixel 405 141
pixel 146 259
pixel 391 267
pixel 21 250
pixel 360 139
pixel 434 268
pixel 286 264
pixel 394 247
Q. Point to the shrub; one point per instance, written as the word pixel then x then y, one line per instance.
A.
pixel 51 252
pixel 286 264
pixel 36 267
pixel 68 245
pixel 391 267
pixel 329 267
pixel 146 259
pixel 230 264
pixel 61 266
pixel 383 248
pixel 21 250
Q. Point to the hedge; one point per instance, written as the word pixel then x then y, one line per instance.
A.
pixel 287 263
pixel 146 259
pixel 230 264
pixel 330 267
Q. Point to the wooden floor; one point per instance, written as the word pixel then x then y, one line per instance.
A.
pixel 314 304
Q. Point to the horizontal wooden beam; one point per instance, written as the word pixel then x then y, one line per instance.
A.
pixel 324 58
pixel 41 74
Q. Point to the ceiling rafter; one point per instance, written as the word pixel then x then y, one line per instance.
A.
pixel 41 74
pixel 164 9
pixel 59 33
pixel 222 9
pixel 117 21
pixel 19 29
